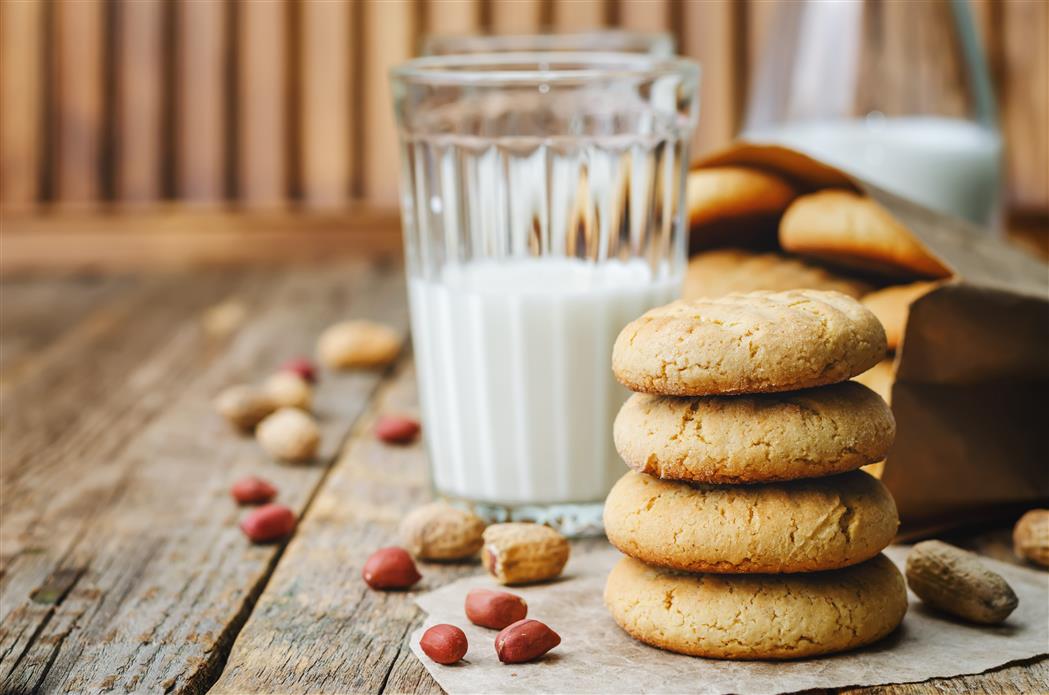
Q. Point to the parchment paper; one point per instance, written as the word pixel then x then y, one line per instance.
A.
pixel 595 656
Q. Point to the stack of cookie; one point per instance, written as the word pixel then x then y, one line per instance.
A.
pixel 749 531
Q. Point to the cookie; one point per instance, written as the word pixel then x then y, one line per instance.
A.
pixel 794 526
pixel 854 231
pixel 735 205
pixel 763 437
pixel 892 304
pixel 757 616
pixel 724 271
pixel 748 343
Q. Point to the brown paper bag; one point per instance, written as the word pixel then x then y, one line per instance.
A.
pixel 971 396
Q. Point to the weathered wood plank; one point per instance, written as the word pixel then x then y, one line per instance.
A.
pixel 21 91
pixel 25 330
pixel 176 237
pixel 140 99
pixel 165 578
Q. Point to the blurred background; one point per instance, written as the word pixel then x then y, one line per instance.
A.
pixel 270 120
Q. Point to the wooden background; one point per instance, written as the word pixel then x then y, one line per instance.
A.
pixel 271 104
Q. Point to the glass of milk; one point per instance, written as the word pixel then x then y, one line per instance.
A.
pixel 897 93
pixel 542 210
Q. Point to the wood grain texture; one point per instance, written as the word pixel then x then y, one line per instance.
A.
pixel 177 237
pixel 327 119
pixel 202 45
pixel 516 16
pixel 580 15
pixel 22 93
pixel 78 101
pixel 453 17
pixel 1025 102
pixel 140 84
pixel 710 35
pixel 644 15
pixel 262 123
pixel 389 38
pixel 127 572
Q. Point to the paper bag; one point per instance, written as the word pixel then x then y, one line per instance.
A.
pixel 971 396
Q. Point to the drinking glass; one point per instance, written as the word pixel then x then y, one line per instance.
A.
pixel 541 204
pixel 615 41
pixel 896 92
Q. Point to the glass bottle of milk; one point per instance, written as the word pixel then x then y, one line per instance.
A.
pixel 897 93
pixel 542 211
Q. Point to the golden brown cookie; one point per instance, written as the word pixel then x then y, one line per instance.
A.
pixel 735 205
pixel 748 343
pixel 758 438
pixel 892 304
pixel 794 526
pixel 724 271
pixel 854 231
pixel 757 616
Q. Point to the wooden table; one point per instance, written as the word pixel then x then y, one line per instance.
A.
pixel 123 568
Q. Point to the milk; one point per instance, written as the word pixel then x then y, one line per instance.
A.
pixel 514 372
pixel 949 165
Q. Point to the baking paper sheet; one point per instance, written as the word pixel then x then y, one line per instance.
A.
pixel 595 656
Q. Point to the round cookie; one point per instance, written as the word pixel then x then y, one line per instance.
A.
pixel 794 526
pixel 756 438
pixel 748 343
pixel 757 616
pixel 735 205
pixel 724 271
pixel 717 193
pixel 892 305
pixel 854 231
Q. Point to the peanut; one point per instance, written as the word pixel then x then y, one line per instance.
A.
pixel 358 344
pixel 268 523
pixel 494 609
pixel 252 490
pixel 301 367
pixel 444 643
pixel 955 581
pixel 390 568
pixel 525 640
pixel 289 390
pixel 1031 537
pixel 439 531
pixel 518 553
pixel 244 406
pixel 289 435
pixel 395 429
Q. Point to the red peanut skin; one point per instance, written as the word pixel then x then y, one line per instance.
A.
pixel 390 568
pixel 252 490
pixel 445 644
pixel 494 609
pixel 268 523
pixel 302 367
pixel 396 429
pixel 525 640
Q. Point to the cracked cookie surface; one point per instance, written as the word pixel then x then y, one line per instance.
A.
pixel 795 526
pixel 752 342
pixel 757 616
pixel 755 438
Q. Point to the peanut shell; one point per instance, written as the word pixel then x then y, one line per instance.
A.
pixel 520 553
pixel 956 582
